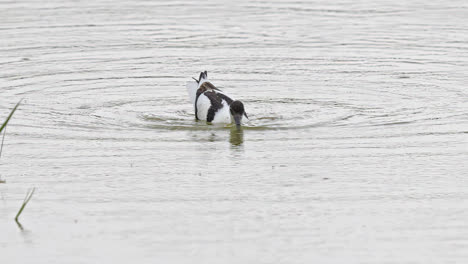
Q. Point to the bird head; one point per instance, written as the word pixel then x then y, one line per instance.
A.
pixel 237 112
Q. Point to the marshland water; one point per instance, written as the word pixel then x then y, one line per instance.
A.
pixel 355 152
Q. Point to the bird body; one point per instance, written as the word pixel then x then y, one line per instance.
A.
pixel 211 104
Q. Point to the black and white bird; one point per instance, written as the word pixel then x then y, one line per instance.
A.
pixel 211 104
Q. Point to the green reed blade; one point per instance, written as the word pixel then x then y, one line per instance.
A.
pixel 8 118
pixel 28 197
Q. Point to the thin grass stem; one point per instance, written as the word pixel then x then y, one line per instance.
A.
pixel 9 116
pixel 3 139
pixel 28 197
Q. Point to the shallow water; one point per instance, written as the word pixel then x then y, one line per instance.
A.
pixel 355 150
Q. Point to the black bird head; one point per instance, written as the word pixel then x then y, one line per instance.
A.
pixel 237 111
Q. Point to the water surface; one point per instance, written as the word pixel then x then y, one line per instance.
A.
pixel 355 150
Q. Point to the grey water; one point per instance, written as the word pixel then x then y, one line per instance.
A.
pixel 355 152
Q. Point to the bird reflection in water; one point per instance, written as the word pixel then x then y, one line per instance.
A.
pixel 237 136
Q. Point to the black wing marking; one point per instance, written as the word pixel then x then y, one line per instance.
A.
pixel 226 98
pixel 206 86
pixel 216 100
pixel 203 75
pixel 216 104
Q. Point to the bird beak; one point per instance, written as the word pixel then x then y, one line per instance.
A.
pixel 245 114
pixel 237 119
